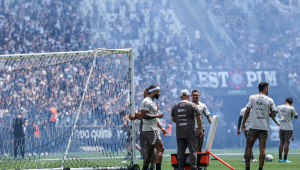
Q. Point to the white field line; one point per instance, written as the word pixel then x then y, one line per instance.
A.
pixel 222 154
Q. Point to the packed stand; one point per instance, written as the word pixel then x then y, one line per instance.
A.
pixel 275 44
pixel 59 25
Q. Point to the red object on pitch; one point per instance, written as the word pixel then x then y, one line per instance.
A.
pixel 202 160
pixel 220 160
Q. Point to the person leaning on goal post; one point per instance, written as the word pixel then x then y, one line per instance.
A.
pixel 142 138
pixel 150 127
pixel 286 113
pixel 260 106
pixel 184 114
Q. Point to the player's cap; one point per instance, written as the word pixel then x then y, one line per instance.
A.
pixel 184 92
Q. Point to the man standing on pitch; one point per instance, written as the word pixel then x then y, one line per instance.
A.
pixel 142 138
pixel 286 113
pixel 184 115
pixel 261 106
pixel 203 110
pixel 242 113
pixel 150 129
pixel 19 127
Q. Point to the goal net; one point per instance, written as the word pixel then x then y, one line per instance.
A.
pixel 67 109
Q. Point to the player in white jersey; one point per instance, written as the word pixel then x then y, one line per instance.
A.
pixel 150 128
pixel 142 138
pixel 242 113
pixel 286 113
pixel 203 110
pixel 260 106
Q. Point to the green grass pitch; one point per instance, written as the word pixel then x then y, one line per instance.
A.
pixel 234 158
pixel 231 156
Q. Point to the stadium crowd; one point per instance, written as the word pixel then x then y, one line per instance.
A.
pixel 60 25
pixel 275 44
pixel 165 57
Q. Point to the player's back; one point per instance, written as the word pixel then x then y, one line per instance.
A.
pixel 286 113
pixel 185 113
pixel 261 105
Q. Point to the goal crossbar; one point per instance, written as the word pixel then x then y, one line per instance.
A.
pixel 101 51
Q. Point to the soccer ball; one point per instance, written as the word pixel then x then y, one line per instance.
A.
pixel 269 158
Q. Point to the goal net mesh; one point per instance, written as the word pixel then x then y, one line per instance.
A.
pixel 41 96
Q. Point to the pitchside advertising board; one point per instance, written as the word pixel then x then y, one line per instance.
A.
pixel 237 82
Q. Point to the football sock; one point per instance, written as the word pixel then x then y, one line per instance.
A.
pixel 252 156
pixel 285 157
pixel 158 166
pixel 247 168
pixel 259 168
pixel 145 167
pixel 280 156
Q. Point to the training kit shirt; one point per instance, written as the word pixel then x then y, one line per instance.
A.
pixel 261 105
pixel 286 113
pixel 149 105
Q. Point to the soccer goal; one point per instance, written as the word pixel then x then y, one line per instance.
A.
pixel 71 106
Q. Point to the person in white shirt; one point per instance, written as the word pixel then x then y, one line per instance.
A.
pixel 203 111
pixel 286 113
pixel 150 128
pixel 242 113
pixel 260 106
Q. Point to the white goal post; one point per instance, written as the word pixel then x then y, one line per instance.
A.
pixel 71 106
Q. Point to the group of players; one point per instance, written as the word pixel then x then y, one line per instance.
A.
pixel 260 107
pixel 188 117
pixel 189 128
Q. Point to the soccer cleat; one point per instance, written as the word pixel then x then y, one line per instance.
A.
pixel 254 160
pixel 244 160
pixel 46 153
pixel 42 154
pixel 141 157
pixel 24 158
pixel 34 153
pixel 29 154
pixel 279 160
pixel 287 161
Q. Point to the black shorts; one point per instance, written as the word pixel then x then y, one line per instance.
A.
pixel 260 134
pixel 286 135
pixel 152 137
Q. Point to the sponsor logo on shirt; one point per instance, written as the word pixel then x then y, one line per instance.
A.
pixel 182 120
pixel 182 124
pixel 181 115
pixel 259 103
pixel 181 110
